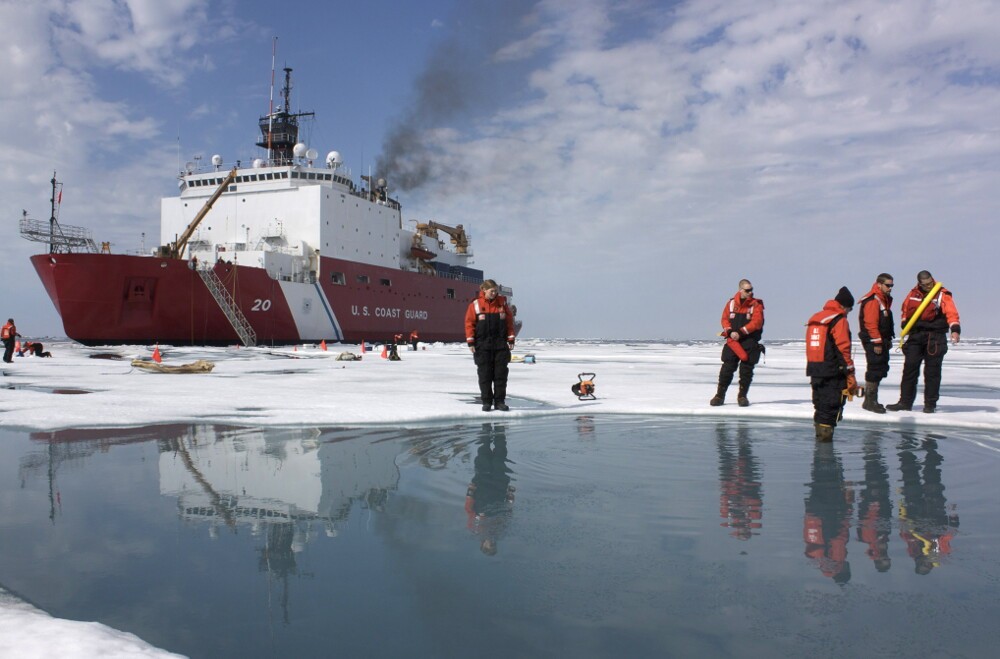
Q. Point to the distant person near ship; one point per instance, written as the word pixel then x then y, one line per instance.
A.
pixel 829 364
pixel 489 331
pixel 876 329
pixel 926 343
pixel 742 327
pixel 36 348
pixel 9 335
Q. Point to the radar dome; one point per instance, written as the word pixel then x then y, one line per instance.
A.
pixel 312 154
pixel 299 150
pixel 333 159
pixel 381 183
pixel 258 163
pixel 217 160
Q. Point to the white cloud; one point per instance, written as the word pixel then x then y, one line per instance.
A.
pixel 782 118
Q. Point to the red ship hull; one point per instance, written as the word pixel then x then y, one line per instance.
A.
pixel 112 299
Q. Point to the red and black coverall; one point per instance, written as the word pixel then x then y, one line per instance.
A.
pixel 829 376
pixel 747 318
pixel 877 329
pixel 927 342
pixel 489 328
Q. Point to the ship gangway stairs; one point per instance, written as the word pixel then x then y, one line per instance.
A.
pixel 228 305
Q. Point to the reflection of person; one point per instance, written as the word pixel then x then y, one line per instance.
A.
pixel 874 506
pixel 829 364
pixel 926 343
pixel 828 515
pixel 489 496
pixel 876 330
pixel 739 483
pixel 9 335
pixel 743 325
pixel 489 331
pixel 925 523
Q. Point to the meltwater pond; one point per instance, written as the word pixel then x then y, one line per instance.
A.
pixel 586 536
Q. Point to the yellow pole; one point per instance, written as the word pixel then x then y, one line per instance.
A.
pixel 916 314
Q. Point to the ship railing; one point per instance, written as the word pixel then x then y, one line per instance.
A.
pixel 228 306
pixel 61 237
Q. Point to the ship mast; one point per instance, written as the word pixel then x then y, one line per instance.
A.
pixel 280 129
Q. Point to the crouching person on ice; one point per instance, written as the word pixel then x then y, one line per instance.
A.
pixel 830 366
pixel 489 331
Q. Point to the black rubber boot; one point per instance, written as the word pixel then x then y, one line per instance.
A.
pixel 871 399
pixel 719 398
pixel 741 398
pixel 899 407
pixel 500 405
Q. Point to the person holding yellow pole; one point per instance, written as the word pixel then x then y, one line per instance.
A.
pixel 928 314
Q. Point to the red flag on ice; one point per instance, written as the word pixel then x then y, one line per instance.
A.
pixel 363 346
pixel 156 354
pixel 322 345
pixel 385 352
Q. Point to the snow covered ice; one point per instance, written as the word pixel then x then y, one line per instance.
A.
pixel 305 385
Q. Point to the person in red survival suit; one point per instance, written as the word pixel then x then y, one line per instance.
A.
pixel 829 364
pixel 927 342
pixel 9 335
pixel 489 331
pixel 742 326
pixel 876 330
pixel 827 523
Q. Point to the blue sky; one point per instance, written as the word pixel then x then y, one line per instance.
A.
pixel 620 164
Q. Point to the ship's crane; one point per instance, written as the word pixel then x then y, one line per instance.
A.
pixel 458 236
pixel 175 249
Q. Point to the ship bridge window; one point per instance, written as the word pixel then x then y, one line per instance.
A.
pixel 363 279
pixel 385 282
pixel 311 176
pixel 295 174
pixel 338 278
pixel 284 174
pixel 450 293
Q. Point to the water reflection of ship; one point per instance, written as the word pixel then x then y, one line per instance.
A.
pixel 741 495
pixel 927 524
pixel 70 447
pixel 829 507
pixel 300 477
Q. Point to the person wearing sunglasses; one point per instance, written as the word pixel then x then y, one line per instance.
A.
pixel 926 343
pixel 742 327
pixel 876 332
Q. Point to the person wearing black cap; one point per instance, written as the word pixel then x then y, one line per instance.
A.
pixel 829 363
